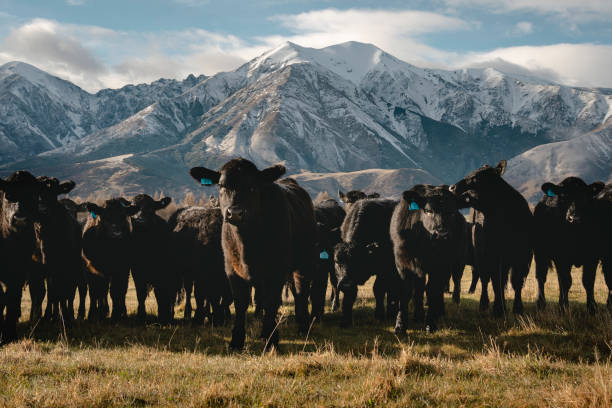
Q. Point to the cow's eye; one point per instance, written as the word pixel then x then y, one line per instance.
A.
pixel 428 211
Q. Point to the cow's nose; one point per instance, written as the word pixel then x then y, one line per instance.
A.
pixel 234 214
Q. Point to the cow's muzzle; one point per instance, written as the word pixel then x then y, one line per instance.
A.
pixel 234 215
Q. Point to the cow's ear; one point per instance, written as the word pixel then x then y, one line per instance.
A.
pixel 92 208
pixel 596 187
pixel 501 167
pixel 163 203
pixel 414 197
pixel 66 187
pixel 342 196
pixel 374 195
pixel 550 189
pixel 205 176
pixel 272 173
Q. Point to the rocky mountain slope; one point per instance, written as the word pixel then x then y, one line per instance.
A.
pixel 343 108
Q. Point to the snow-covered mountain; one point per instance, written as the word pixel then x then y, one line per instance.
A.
pixel 40 112
pixel 342 108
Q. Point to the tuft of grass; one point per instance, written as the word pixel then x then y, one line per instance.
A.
pixel 543 358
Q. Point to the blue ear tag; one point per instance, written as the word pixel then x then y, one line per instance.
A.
pixel 550 193
pixel 205 181
pixel 324 255
pixel 93 215
pixel 413 206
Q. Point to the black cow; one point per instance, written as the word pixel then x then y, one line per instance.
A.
pixel 353 196
pixel 151 260
pixel 429 239
pixel 566 233
pixel 107 250
pixel 196 239
pixel 366 250
pixel 329 216
pixel 268 233
pixel 507 226
pixel 19 247
pixel 60 235
pixel 603 204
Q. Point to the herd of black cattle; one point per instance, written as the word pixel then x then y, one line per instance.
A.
pixel 265 233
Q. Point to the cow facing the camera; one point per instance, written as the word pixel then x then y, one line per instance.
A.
pixel 366 251
pixel 107 251
pixel 507 226
pixel 268 233
pixel 429 240
pixel 151 266
pixel 566 233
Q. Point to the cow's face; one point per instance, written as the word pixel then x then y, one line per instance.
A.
pixel 437 209
pixel 354 264
pixel 50 188
pixel 478 186
pixel 572 198
pixel 240 188
pixel 113 216
pixel 148 206
pixel 20 193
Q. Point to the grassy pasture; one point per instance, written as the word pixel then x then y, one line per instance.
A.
pixel 540 359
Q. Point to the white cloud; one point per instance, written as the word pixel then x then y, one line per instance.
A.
pixel 578 11
pixel 521 28
pixel 571 64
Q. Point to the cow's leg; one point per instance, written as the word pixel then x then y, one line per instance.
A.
pixel 435 300
pixel 226 301
pixel 588 281
pixel 379 290
pixel 564 276
pixel 301 286
pixel 519 273
pixel 542 266
pixel 457 274
pixel 36 286
pixel 258 303
pixel 348 300
pixel 317 293
pixel 201 300
pixel 271 298
pixel 162 297
pixel 335 293
pixel 475 277
pixel 82 287
pixel 419 292
pixel 606 267
pixel 13 302
pixel 406 288
pixel 118 290
pixel 141 293
pixel 242 294
pixel 499 279
pixel 188 285
pixel 393 296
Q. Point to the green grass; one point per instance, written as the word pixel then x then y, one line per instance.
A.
pixel 540 359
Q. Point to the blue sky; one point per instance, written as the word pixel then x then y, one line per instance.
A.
pixel 109 43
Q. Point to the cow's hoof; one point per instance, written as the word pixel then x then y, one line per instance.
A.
pixel 431 328
pixel 419 317
pixel 236 345
pixel 345 324
pixel 591 307
pixel 399 331
pixel 498 311
pixel 483 306
pixel 517 308
pixel 456 298
pixel 379 315
pixel 541 303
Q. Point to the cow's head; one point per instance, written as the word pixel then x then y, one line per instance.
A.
pixel 241 186
pixel 70 206
pixel 437 209
pixel 480 186
pixel 50 188
pixel 354 263
pixel 20 193
pixel 573 198
pixel 112 217
pixel 148 206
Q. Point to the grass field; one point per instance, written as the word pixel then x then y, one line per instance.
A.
pixel 540 359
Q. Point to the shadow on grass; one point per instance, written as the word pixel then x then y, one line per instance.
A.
pixel 464 331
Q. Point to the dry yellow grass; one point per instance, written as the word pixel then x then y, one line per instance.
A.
pixel 541 359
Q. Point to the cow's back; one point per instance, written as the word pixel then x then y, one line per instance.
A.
pixel 368 221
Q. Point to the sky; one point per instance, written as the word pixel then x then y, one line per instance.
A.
pixel 110 43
